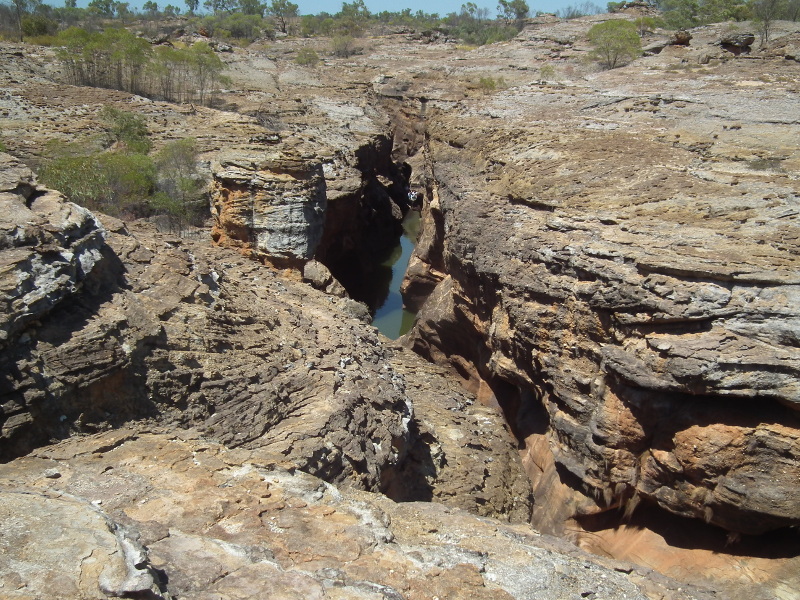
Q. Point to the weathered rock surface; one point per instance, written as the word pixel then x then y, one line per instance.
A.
pixel 738 43
pixel 211 522
pixel 182 334
pixel 49 248
pixel 56 545
pixel 618 267
pixel 273 208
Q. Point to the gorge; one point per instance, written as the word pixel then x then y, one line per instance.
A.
pixel 608 290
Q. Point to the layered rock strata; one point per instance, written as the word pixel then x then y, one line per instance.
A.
pixel 181 334
pixel 620 270
pixel 173 516
pixel 295 204
pixel 274 208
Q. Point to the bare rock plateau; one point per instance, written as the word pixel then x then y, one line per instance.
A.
pixel 599 398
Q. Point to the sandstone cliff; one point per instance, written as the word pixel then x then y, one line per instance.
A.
pixel 180 334
pixel 617 267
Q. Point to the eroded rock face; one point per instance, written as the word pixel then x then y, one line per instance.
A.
pixel 652 310
pixel 49 248
pixel 184 334
pixel 226 524
pixel 273 208
pixel 341 207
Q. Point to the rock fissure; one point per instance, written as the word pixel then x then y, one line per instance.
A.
pixel 607 265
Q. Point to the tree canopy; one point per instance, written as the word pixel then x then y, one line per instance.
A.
pixel 615 42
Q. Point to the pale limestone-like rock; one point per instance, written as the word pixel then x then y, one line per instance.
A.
pixel 273 207
pixel 56 545
pixel 235 524
pixel 49 247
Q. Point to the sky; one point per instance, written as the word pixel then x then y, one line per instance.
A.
pixel 442 7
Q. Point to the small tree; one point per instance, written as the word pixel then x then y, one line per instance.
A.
pixel 764 13
pixel 576 11
pixel 178 183
pixel 615 42
pixel 151 9
pixel 252 7
pixel 206 68
pixel 20 9
pixel 513 10
pixel 645 25
pixel 282 11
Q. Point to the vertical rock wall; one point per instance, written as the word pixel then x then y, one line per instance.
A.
pixel 642 355
pixel 272 208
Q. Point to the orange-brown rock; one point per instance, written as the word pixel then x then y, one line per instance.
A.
pixel 622 251
pixel 176 516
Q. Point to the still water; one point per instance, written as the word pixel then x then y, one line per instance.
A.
pixel 391 319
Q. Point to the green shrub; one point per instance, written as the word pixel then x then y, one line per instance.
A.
pixel 116 183
pixel 307 57
pixel 129 184
pixel 615 42
pixel 343 46
pixel 684 14
pixel 547 72
pixel 38 25
pixel 490 84
pixel 127 128
pixel 645 25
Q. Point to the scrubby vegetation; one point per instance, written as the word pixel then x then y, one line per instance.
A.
pixel 118 176
pixel 684 14
pixel 117 59
pixel 307 57
pixel 244 21
pixel 575 11
pixel 490 84
pixel 615 42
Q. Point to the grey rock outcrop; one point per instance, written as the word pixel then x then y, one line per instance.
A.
pixel 227 524
pixel 49 248
pixel 273 208
pixel 738 43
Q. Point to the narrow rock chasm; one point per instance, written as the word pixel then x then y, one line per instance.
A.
pixel 371 263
